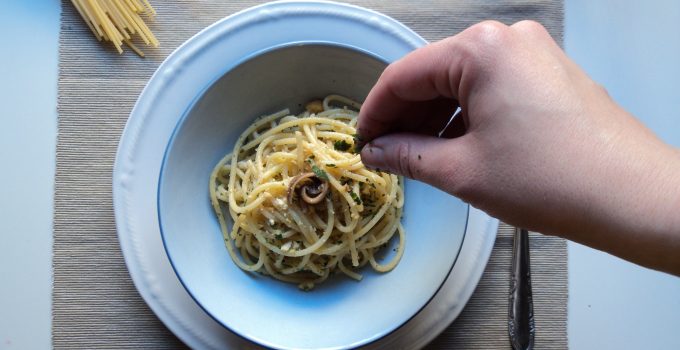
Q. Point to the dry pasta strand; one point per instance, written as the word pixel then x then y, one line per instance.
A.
pixel 118 21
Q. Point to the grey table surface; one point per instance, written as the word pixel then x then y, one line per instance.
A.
pixel 630 47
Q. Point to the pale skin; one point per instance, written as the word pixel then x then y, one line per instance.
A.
pixel 538 144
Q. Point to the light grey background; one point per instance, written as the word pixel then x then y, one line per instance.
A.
pixel 631 47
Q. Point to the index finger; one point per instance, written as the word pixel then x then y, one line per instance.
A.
pixel 425 74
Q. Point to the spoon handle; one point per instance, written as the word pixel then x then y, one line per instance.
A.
pixel 521 308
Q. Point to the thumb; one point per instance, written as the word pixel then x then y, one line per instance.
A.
pixel 439 162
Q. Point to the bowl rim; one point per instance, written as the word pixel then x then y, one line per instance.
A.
pixel 178 126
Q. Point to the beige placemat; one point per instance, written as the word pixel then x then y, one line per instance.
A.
pixel 95 304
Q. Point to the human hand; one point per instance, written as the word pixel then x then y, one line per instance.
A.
pixel 538 144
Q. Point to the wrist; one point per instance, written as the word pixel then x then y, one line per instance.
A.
pixel 626 200
pixel 666 192
pixel 644 225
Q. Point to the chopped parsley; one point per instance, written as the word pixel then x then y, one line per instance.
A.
pixel 330 165
pixel 319 173
pixel 356 198
pixel 341 145
pixel 316 170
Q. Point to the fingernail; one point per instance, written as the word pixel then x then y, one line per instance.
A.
pixel 373 157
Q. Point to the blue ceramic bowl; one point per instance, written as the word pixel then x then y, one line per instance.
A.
pixel 278 56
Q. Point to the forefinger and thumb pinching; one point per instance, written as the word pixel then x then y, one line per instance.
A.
pixel 436 161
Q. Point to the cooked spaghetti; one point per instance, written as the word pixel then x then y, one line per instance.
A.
pixel 302 204
pixel 118 21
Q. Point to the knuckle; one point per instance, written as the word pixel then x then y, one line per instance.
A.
pixel 404 163
pixel 489 34
pixel 388 72
pixel 530 26
pixel 391 77
pixel 486 42
pixel 489 26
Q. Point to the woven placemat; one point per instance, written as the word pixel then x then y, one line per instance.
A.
pixel 95 304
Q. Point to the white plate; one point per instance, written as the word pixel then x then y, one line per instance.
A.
pixel 151 124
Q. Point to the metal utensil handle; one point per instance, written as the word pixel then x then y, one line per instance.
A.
pixel 521 308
